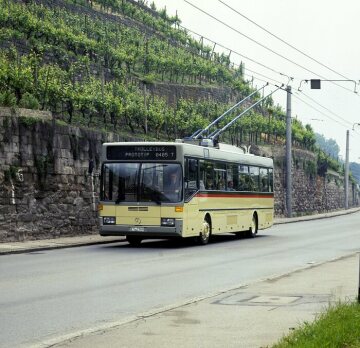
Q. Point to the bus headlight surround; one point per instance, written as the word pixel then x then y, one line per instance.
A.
pixel 170 222
pixel 109 220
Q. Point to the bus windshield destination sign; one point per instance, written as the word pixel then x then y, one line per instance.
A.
pixel 141 152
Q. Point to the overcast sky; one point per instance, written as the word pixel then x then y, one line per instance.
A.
pixel 324 30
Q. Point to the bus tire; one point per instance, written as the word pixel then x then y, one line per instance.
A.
pixel 205 233
pixel 134 240
pixel 253 230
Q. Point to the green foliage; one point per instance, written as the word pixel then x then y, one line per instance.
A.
pixel 8 99
pixel 149 79
pixel 355 169
pixel 329 146
pixel 29 101
pixel 324 162
pixel 10 174
pixel 338 327
pixel 96 62
pixel 170 54
pixel 43 165
pixel 28 121
pixel 310 168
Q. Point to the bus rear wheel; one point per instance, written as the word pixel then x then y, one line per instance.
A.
pixel 253 230
pixel 134 240
pixel 205 233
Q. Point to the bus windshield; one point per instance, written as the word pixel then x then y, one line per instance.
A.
pixel 141 182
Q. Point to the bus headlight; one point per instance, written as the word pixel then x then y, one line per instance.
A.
pixel 167 222
pixel 109 220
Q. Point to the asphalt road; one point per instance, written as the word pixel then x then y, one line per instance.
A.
pixel 44 295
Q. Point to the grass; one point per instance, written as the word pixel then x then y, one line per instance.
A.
pixel 337 327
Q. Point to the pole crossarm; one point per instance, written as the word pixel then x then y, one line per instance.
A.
pixel 199 132
pixel 217 132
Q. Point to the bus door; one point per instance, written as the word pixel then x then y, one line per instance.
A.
pixel 191 207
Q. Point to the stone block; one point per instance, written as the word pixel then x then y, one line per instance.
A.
pixel 65 142
pixel 75 131
pixel 67 170
pixel 64 153
pixel 26 217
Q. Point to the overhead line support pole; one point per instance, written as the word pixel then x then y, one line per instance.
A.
pixel 347 172
pixel 288 154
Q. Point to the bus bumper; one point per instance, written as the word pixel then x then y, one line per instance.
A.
pixel 145 231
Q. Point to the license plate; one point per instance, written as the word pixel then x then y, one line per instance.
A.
pixel 137 229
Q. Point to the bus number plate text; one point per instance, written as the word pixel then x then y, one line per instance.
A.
pixel 137 229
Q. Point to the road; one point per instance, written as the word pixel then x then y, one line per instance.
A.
pixel 48 294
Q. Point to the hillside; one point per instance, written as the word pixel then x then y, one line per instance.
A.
pixel 119 65
pixel 87 66
pixel 75 74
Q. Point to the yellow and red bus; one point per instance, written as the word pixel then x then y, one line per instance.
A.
pixel 177 189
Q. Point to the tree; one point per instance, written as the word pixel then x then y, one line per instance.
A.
pixel 329 146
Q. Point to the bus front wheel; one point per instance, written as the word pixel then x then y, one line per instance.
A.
pixel 205 233
pixel 134 240
pixel 253 230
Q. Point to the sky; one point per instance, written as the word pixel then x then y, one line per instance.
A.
pixel 325 30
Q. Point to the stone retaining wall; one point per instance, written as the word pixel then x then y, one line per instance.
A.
pixel 47 190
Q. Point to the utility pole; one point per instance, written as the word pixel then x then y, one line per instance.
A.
pixel 347 172
pixel 288 154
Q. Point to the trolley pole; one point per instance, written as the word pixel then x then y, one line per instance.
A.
pixel 347 172
pixel 288 154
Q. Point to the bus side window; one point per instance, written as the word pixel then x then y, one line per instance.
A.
pixel 244 179
pixel 254 178
pixel 207 174
pixel 271 180
pixel 264 180
pixel 202 177
pixel 191 176
pixel 232 177
pixel 220 176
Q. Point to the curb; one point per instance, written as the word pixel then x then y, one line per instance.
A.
pixel 15 249
pixel 23 250
pixel 315 217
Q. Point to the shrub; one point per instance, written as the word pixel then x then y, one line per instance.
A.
pixel 28 101
pixel 7 99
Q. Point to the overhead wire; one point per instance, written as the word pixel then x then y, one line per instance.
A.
pixel 233 51
pixel 268 78
pixel 327 109
pixel 259 74
pixel 261 45
pixel 321 112
pixel 282 40
pixel 273 70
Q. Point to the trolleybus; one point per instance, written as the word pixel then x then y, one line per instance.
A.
pixel 179 189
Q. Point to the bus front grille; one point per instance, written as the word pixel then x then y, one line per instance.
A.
pixel 138 208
